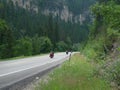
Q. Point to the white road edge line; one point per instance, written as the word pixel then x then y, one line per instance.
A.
pixel 2 75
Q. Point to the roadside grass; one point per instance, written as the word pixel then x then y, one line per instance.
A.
pixel 22 57
pixel 78 74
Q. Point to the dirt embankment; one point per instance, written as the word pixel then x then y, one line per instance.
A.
pixel 110 70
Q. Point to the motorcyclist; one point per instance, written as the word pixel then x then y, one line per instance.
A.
pixel 66 52
pixel 51 54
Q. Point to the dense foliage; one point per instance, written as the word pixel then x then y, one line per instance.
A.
pixel 106 28
pixel 25 22
pixel 6 40
pixel 26 32
pixel 104 34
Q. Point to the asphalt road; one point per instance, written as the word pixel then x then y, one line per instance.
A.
pixel 16 70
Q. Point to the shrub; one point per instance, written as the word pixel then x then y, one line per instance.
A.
pixel 36 44
pixel 45 44
pixel 61 46
pixel 23 47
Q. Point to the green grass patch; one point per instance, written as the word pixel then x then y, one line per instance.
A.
pixel 78 74
pixel 21 57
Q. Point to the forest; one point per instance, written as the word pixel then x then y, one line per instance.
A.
pixel 25 32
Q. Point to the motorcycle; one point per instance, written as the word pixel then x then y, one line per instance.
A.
pixel 51 55
pixel 66 52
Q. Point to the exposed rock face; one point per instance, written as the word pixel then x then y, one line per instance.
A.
pixel 26 4
pixel 55 7
pixel 66 15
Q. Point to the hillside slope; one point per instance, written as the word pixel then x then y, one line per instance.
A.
pixel 103 46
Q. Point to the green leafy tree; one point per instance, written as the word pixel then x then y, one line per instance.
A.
pixel 23 47
pixel 36 44
pixel 69 43
pixel 46 45
pixel 62 46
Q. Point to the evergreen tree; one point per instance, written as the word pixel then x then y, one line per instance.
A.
pixel 6 40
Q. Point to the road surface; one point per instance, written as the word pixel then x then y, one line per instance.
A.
pixel 16 70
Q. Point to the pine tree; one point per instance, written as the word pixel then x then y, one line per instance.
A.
pixel 6 40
